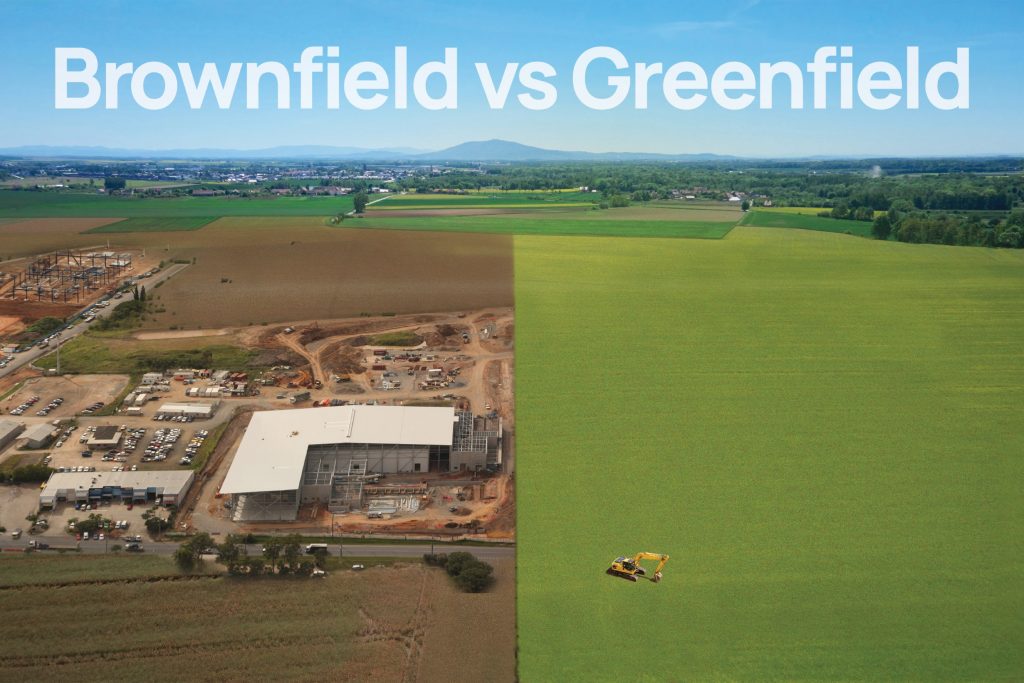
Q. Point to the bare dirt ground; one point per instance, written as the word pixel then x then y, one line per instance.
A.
pixel 78 391
pixel 255 270
pixel 180 334
pixel 32 310
pixel 10 325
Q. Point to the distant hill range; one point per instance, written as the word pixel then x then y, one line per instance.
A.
pixel 468 152
pixel 482 151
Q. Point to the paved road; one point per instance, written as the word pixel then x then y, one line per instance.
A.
pixel 350 550
pixel 22 359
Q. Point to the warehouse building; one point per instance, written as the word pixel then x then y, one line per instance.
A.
pixel 39 436
pixel 9 431
pixel 324 455
pixel 165 487
pixel 198 411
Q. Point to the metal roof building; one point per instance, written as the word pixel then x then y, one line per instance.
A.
pixel 200 411
pixel 38 435
pixel 142 486
pixel 322 455
pixel 9 430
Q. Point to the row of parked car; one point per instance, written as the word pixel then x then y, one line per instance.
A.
pixel 160 417
pixel 193 446
pixel 93 407
pixel 52 405
pixel 29 402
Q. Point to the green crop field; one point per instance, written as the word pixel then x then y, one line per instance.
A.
pixel 19 204
pixel 544 223
pixel 494 199
pixel 784 219
pixel 823 432
pixel 156 224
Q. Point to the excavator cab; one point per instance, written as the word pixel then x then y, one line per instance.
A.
pixel 629 568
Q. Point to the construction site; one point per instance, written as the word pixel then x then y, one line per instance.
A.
pixel 66 276
pixel 394 425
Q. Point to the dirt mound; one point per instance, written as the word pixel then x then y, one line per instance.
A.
pixel 444 335
pixel 342 359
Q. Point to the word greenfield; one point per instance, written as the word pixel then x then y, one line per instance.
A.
pixel 602 78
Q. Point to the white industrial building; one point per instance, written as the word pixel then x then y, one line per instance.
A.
pixel 324 455
pixel 167 487
pixel 199 411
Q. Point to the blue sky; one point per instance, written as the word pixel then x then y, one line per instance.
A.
pixel 707 33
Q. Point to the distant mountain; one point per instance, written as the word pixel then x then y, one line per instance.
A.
pixel 504 150
pixel 322 152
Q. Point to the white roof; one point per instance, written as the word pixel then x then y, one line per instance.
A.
pixel 273 450
pixel 171 481
pixel 193 408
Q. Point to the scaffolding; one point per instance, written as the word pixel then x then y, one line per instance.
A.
pixel 347 489
pixel 66 276
pixel 269 506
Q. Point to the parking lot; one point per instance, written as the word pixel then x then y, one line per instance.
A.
pixel 141 445
pixel 76 394
pixel 59 518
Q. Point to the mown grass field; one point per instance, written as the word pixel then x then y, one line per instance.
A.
pixel 21 204
pixel 767 218
pixel 155 224
pixel 823 432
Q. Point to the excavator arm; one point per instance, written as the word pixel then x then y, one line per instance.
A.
pixel 662 559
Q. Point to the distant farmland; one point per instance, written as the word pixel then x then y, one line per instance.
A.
pixel 161 224
pixel 24 204
pixel 484 199
pixel 663 219
pixel 768 218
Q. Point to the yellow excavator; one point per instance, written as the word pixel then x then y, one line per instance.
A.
pixel 629 567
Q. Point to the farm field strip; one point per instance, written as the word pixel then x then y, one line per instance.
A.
pixel 773 219
pixel 775 414
pixel 519 224
pixel 155 224
pixel 47 204
pixel 386 623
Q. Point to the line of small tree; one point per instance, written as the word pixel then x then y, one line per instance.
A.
pixel 470 574
pixel 845 213
pixel 25 474
pixel 951 229
pixel 280 556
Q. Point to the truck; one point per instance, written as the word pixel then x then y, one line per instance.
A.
pixel 297 398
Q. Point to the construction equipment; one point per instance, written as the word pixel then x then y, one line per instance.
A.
pixel 629 567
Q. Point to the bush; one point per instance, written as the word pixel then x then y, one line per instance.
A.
pixel 470 574
pixel 475 577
